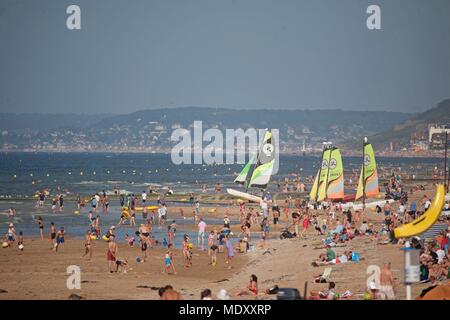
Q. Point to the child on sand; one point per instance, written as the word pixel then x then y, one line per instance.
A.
pixel 130 240
pixel 186 252
pixel 87 245
pixel 122 265
pixel 20 241
pixel 168 260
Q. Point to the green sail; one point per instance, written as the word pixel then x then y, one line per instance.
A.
pixel 262 171
pixel 242 177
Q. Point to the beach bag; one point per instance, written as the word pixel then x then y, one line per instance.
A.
pixel 355 256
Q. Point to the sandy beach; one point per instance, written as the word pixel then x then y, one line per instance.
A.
pixel 39 273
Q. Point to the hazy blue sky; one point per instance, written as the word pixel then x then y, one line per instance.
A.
pixel 132 55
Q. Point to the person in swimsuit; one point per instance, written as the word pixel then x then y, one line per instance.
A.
pixel 53 234
pixel 87 245
pixel 186 252
pixel 168 260
pixel 213 248
pixel 143 240
pixel 41 227
pixel 59 238
pixel 305 225
pixel 112 253
pixel 169 235
pixel 252 287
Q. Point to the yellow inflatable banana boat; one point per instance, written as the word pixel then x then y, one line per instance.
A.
pixel 149 208
pixel 426 220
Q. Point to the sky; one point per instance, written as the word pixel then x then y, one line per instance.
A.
pixel 283 54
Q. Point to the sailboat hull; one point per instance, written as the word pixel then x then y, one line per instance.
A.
pixel 244 195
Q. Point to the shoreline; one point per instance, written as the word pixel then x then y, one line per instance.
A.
pixel 345 153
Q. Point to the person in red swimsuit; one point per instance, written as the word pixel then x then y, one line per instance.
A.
pixel 111 254
pixel 252 287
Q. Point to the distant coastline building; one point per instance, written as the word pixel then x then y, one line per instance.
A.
pixel 436 136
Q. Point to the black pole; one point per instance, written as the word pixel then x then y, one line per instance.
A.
pixel 318 176
pixel 328 171
pixel 445 162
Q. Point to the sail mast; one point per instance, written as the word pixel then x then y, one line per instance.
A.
pixel 330 147
pixel 318 176
pixel 363 175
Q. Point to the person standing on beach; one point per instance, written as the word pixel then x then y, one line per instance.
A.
pixel 170 235
pixel 305 225
pixel 296 222
pixel 201 234
pixel 41 227
pixel 230 252
pixel 53 234
pixel 387 283
pixel 168 260
pixel 122 200
pixel 212 245
pixel 275 213
pixel 11 235
pixel 186 252
pixel 112 253
pixel 87 245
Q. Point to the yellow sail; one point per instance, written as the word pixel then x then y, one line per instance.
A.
pixel 323 178
pixel 335 178
pixel 313 193
pixel 368 185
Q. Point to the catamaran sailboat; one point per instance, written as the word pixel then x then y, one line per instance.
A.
pixel 257 172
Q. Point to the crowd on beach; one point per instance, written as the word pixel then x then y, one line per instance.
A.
pixel 292 217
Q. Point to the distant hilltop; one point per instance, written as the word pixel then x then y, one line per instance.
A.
pixel 415 133
pixel 150 130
